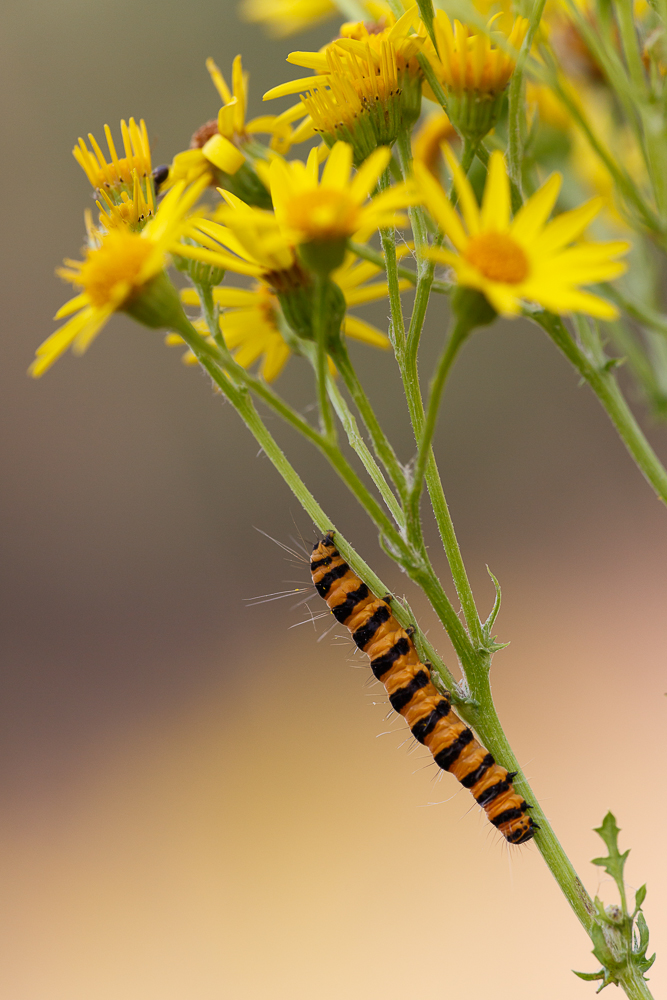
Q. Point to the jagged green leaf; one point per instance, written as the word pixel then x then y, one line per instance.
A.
pixel 615 862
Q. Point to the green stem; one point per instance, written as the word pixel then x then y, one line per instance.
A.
pixel 625 184
pixel 516 114
pixel 425 266
pixel 388 240
pixel 628 32
pixel 381 444
pixel 605 387
pixel 240 398
pixel 321 360
pixel 358 444
pixel 634 985
pixel 432 80
pixel 441 512
pixel 213 360
pixel 637 310
pixel 424 451
pixel 427 15
pixel 375 257
pixel 486 723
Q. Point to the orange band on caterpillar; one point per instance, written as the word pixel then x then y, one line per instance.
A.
pixel 428 713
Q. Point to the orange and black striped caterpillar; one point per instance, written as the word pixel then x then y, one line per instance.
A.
pixel 428 713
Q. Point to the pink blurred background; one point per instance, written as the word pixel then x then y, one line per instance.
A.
pixel 196 798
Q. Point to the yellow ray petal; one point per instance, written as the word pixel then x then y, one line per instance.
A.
pixel 495 214
pixel 440 207
pixel 338 167
pixel 368 173
pixel 567 227
pixel 358 329
pixel 465 192
pixel 299 86
pixel 316 61
pixel 532 216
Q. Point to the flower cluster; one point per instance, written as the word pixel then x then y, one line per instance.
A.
pixel 233 207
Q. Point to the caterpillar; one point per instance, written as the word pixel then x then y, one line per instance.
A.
pixel 428 713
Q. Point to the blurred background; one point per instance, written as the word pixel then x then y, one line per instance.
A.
pixel 199 800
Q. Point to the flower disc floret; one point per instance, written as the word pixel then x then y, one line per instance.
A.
pixel 525 259
pixel 337 206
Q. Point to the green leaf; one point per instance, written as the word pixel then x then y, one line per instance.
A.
pixel 640 896
pixel 589 976
pixel 491 645
pixel 642 928
pixel 615 863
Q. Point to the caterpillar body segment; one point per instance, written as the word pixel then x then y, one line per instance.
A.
pixel 428 713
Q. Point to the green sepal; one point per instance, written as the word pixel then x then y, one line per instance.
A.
pixel 321 257
pixel 297 307
pixel 472 308
pixel 157 305
pixel 246 185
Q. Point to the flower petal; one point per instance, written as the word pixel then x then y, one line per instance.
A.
pixel 495 214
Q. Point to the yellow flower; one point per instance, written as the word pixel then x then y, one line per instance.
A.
pixel 219 148
pixel 251 243
pixel 117 174
pixel 525 259
pixel 133 212
pixel 335 208
pixel 367 84
pixel 473 70
pixel 250 318
pixel 286 17
pixel 468 60
pixel 308 212
pixel 123 272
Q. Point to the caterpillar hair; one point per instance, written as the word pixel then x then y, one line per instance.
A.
pixel 428 713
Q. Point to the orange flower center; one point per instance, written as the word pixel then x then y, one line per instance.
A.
pixel 498 257
pixel 113 271
pixel 324 214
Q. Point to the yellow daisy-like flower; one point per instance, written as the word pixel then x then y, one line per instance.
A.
pixel 133 212
pixel 308 212
pixel 366 87
pixel 335 208
pixel 251 243
pixel 116 174
pixel 527 258
pixel 286 17
pixel 218 148
pixel 250 323
pixel 123 272
pixel 469 61
pixel 473 70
